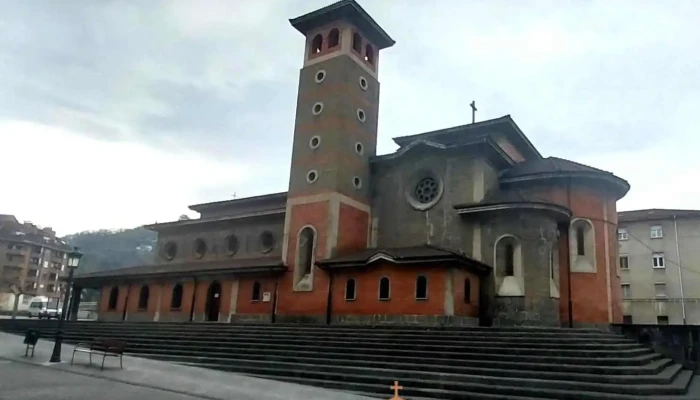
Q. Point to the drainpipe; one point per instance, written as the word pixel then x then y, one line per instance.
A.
pixel 329 304
pixel 568 256
pixel 680 269
pixel 126 302
pixel 273 313
pixel 194 295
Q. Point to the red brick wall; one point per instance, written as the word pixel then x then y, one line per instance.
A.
pixel 246 305
pixel 403 289
pixel 589 290
pixel 353 226
pixel 314 302
pixel 461 307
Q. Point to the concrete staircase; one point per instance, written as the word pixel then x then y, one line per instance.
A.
pixel 464 363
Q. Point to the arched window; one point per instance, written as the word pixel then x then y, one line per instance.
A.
pixel 580 241
pixel 306 250
pixel 113 297
pixel 256 296
pixel 350 289
pixel 333 38
pixel 384 289
pixel 421 288
pixel 509 259
pixel 467 291
pixel 357 42
pixel 369 54
pixel 176 299
pixel 143 298
pixel 317 44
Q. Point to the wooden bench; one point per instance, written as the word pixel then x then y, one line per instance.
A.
pixel 103 347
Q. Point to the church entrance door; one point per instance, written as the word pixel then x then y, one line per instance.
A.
pixel 213 305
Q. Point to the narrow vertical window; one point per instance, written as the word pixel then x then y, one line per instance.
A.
pixel 357 42
pixel 176 299
pixel 113 296
pixel 256 291
pixel 306 250
pixel 333 38
pixel 510 259
pixel 143 298
pixel 384 289
pixel 350 291
pixel 421 288
pixel 317 44
pixel 467 291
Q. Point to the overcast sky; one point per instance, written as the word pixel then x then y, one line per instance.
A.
pixel 114 114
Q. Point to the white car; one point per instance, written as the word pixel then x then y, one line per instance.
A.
pixel 43 307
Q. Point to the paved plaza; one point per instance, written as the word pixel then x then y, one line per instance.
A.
pixel 36 378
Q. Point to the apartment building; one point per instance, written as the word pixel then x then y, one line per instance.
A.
pixel 32 259
pixel 659 266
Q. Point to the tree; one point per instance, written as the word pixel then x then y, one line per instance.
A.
pixel 15 285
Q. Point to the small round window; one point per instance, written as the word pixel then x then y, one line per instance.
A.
pixel 427 190
pixel 361 115
pixel 357 182
pixel 232 244
pixel 170 250
pixel 317 108
pixel 200 248
pixel 266 242
pixel 363 83
pixel 315 142
pixel 320 76
pixel 311 176
pixel 359 148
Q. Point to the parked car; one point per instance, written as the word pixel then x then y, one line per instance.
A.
pixel 43 307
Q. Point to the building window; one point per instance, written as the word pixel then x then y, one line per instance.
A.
pixel 317 44
pixel 627 319
pixel 266 242
pixel 662 319
pixel 200 248
pixel 256 292
pixel 232 244
pixel 660 289
pixel 384 289
pixel 307 237
pixel 421 288
pixel 333 38
pixel 626 291
pixel 624 262
pixel 356 42
pixel 176 299
pixel 170 250
pixel 467 291
pixel 113 296
pixel 656 232
pixel 580 241
pixel 622 234
pixel 143 298
pixel 582 245
pixel 350 291
pixel 426 190
pixel 657 260
pixel 369 54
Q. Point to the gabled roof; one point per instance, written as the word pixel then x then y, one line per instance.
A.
pixel 348 10
pixel 422 254
pixel 250 265
pixel 559 168
pixel 469 132
pixel 655 214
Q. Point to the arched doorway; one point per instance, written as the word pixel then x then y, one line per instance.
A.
pixel 213 305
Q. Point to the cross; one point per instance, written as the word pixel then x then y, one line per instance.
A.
pixel 473 104
pixel 396 389
pixel 234 195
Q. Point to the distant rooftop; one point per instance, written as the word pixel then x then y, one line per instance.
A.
pixel 655 214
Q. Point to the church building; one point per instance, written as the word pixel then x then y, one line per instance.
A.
pixel 468 225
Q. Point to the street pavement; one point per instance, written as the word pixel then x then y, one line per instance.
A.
pixel 34 378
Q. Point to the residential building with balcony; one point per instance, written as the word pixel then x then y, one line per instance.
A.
pixel 32 260
pixel 659 266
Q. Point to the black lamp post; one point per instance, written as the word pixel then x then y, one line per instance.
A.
pixel 73 262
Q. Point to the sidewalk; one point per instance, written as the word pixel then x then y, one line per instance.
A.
pixel 191 381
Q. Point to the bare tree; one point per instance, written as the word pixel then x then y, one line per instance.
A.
pixel 15 286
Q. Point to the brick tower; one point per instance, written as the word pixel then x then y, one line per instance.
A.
pixel 335 134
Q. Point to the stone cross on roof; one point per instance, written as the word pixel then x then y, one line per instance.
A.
pixel 473 105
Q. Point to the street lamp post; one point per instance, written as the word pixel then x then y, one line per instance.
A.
pixel 73 262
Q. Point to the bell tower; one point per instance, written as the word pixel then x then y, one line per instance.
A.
pixel 335 134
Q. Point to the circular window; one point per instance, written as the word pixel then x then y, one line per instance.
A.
pixel 359 148
pixel 320 76
pixel 357 182
pixel 200 248
pixel 317 108
pixel 361 115
pixel 232 244
pixel 311 176
pixel 170 250
pixel 315 142
pixel 363 83
pixel 426 190
pixel 266 242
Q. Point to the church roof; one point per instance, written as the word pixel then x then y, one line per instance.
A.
pixel 509 199
pixel 250 265
pixel 558 168
pixel 468 133
pixel 347 10
pixel 280 197
pixel 421 254
pixel 655 214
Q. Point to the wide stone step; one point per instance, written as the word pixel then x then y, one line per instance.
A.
pixel 664 376
pixel 481 384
